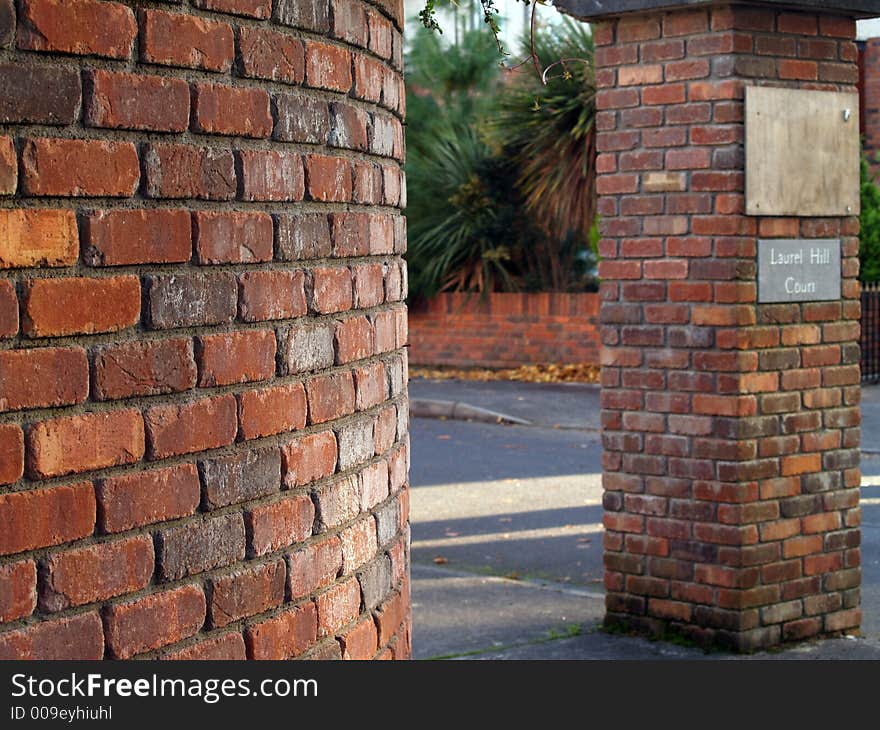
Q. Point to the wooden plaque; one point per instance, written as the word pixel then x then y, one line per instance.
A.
pixel 802 152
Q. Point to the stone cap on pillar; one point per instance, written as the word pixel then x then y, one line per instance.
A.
pixel 592 9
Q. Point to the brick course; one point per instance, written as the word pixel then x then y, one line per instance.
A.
pixel 182 341
pixel 730 428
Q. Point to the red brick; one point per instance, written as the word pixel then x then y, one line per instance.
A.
pixel 241 476
pixel 338 606
pixel 43 378
pixel 79 167
pixel 235 358
pixel 260 9
pixel 38 238
pixel 801 464
pixel 185 428
pixel 279 524
pixel 272 410
pixel 368 73
pixel 8 166
pixel 198 546
pixel 338 502
pixel 231 110
pixel 154 621
pixel 309 458
pixel 11 453
pixel 328 179
pixel 361 642
pixel 133 101
pixel 267 54
pixel 331 290
pixel 76 444
pixel 367 188
pixel 84 27
pixel 798 69
pixel 380 34
pixel 185 171
pixel 228 647
pixel 330 397
pixel 18 590
pixel 96 572
pixel 146 497
pixel 371 386
pixel 286 635
pixel 328 67
pixel 191 300
pixel 45 517
pixel 369 285
pixel 78 637
pixel 39 94
pixel 389 616
pixel 8 309
pixel 354 339
pixel 271 175
pixel 385 430
pixel 153 367
pixel 268 295
pixel 797 23
pixel 351 234
pixel 175 39
pixel 232 237
pixel 836 26
pixel 313 567
pixel 358 544
pixel 799 546
pixel 123 237
pixel 374 485
pixel 350 127
pixel 72 306
pixel 246 592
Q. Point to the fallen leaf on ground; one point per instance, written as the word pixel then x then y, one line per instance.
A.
pixel 440 560
pixel 545 373
pixel 443 437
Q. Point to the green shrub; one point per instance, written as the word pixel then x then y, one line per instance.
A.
pixel 481 216
pixel 869 238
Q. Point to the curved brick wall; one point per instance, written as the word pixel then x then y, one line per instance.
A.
pixel 203 422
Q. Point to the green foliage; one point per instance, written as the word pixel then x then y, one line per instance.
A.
pixel 466 218
pixel 869 238
pixel 548 130
pixel 473 219
pixel 448 85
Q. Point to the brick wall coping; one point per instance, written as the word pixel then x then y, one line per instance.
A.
pixel 591 9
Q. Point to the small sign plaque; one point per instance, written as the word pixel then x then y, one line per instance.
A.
pixel 798 270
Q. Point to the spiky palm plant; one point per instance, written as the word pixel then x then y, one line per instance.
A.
pixel 549 131
pixel 467 226
pixel 464 213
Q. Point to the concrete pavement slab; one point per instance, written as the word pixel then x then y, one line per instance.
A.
pixel 459 613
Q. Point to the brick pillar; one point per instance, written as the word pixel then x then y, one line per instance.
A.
pixel 730 429
pixel 871 101
pixel 203 416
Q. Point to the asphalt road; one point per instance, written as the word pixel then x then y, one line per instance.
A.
pixel 507 534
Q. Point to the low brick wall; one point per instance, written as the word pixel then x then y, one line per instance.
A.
pixel 505 330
